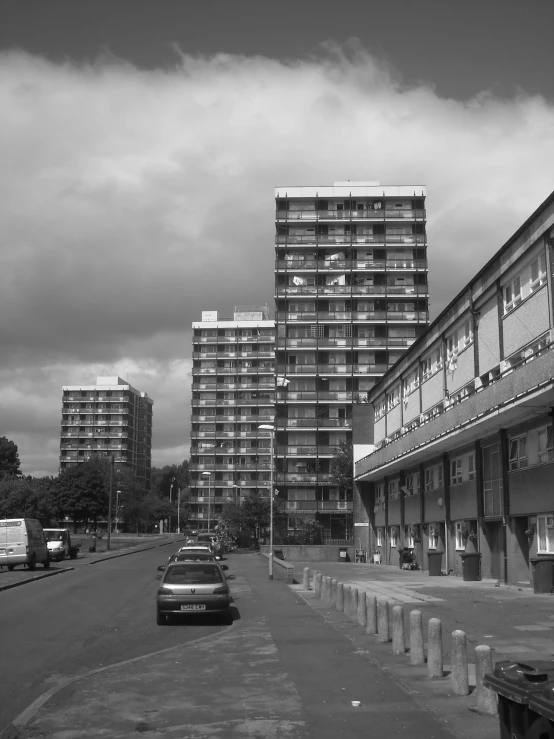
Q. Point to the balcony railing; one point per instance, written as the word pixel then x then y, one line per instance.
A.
pixel 305 451
pixel 345 265
pixel 337 423
pixel 352 290
pixel 347 215
pixel 324 341
pixel 347 239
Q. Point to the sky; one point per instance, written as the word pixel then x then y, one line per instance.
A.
pixel 141 142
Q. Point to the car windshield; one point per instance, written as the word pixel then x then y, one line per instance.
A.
pixel 54 535
pixel 194 557
pixel 183 574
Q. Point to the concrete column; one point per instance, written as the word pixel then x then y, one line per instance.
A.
pixel 398 638
pixel 371 614
pixel 306 579
pixel 434 649
pixel 347 596
pixel 458 674
pixel 486 697
pixel 354 604
pixel 417 650
pixel 382 621
pixel 334 582
pixel 362 613
pixel 340 596
pixel 317 584
pixel 325 590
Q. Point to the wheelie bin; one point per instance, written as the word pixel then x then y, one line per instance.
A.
pixel 516 684
pixel 543 574
pixel 435 563
pixel 471 566
pixel 543 705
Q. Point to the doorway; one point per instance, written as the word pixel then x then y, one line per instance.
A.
pixel 494 535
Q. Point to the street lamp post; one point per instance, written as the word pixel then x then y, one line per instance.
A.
pixel 209 476
pixel 179 510
pixel 271 429
pixel 117 494
pixel 110 503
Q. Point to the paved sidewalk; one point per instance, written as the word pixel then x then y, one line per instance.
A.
pixel 515 622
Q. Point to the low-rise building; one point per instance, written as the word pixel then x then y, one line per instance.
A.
pixel 463 456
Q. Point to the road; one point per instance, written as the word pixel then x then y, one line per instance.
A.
pixel 78 621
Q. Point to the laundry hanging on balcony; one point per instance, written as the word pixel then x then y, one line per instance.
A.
pixel 452 362
pixel 339 256
pixel 335 280
pixel 299 280
pixel 282 381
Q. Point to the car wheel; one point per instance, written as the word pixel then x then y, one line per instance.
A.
pixel 161 620
pixel 33 563
pixel 46 563
pixel 228 618
pixel 10 567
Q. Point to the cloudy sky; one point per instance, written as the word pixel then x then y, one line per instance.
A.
pixel 141 141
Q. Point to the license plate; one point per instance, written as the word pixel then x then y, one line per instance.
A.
pixel 194 608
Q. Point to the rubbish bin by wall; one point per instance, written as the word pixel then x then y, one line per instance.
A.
pixel 543 574
pixel 471 566
pixel 543 705
pixel 343 554
pixel 435 563
pixel 518 684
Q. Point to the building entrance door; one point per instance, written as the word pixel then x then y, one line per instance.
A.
pixel 495 539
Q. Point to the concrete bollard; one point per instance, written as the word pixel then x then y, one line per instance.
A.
pixel 486 697
pixel 382 621
pixel 458 675
pixel 347 596
pixel 334 583
pixel 362 612
pixel 340 597
pixel 354 597
pixel 371 614
pixel 325 587
pixel 328 601
pixel 306 579
pixel 317 585
pixel 434 649
pixel 398 637
pixel 417 650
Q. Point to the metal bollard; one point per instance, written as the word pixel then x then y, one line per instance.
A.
pixel 334 583
pixel 382 621
pixel 317 584
pixel 362 612
pixel 398 637
pixel 353 614
pixel 486 697
pixel 371 614
pixel 417 650
pixel 340 597
pixel 434 649
pixel 458 675
pixel 306 579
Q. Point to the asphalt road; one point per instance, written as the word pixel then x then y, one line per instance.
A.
pixel 67 625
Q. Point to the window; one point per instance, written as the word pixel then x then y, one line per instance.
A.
pixel 433 536
pixel 545 446
pixel 380 494
pixel 393 536
pixel 456 471
pixel 460 535
pixel 452 344
pixel 394 398
pixel 380 409
pixel 432 363
pixel 393 489
pixel 379 537
pixel 434 478
pixel 429 484
pixel 538 272
pixel 545 534
pixel 316 330
pixel 471 467
pixel 512 294
pixel 408 537
pixel 412 483
pixel 518 453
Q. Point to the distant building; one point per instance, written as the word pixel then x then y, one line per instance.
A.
pixel 233 392
pixel 351 297
pixel 463 456
pixel 111 419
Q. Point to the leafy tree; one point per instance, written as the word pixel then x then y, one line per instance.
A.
pixel 27 498
pixel 9 458
pixel 146 513
pixel 162 479
pixel 82 492
pixel 247 519
pixel 342 468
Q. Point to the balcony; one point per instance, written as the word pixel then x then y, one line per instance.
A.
pixel 325 341
pixel 305 451
pixel 346 265
pixel 349 239
pixel 335 423
pixel 380 214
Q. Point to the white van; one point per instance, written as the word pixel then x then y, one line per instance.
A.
pixel 22 542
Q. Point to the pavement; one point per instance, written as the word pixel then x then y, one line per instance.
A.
pixel 290 666
pixel 23 576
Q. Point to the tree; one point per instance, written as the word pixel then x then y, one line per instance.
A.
pixel 81 492
pixel 146 513
pixel 162 479
pixel 247 519
pixel 27 498
pixel 342 468
pixel 9 458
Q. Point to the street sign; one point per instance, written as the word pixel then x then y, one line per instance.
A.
pixel 361 524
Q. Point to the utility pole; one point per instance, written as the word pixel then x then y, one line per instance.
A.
pixel 110 500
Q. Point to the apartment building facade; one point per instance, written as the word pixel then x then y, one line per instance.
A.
pixel 463 457
pixel 112 419
pixel 351 296
pixel 233 393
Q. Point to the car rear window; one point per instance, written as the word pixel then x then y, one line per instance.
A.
pixel 194 557
pixel 183 574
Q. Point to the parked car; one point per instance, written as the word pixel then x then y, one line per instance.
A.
pixel 213 541
pixel 192 556
pixel 22 542
pixel 60 544
pixel 193 587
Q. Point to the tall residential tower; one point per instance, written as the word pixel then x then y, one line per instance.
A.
pixel 351 296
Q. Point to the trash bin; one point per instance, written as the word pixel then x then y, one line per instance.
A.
pixel 471 566
pixel 343 554
pixel 435 563
pixel 376 558
pixel 543 705
pixel 517 684
pixel 543 574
